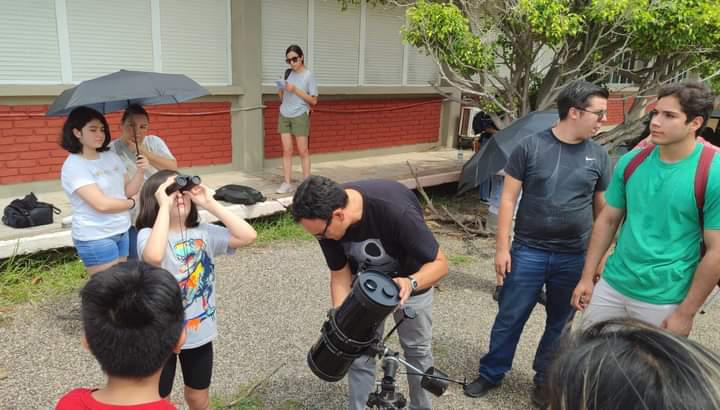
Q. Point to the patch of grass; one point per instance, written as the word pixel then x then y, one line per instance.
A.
pixel 278 227
pixel 245 399
pixel 243 403
pixel 459 259
pixel 32 277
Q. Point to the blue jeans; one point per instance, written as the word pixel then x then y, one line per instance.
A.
pixel 132 251
pixel 531 268
pixel 101 251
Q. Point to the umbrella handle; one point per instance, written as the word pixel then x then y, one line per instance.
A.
pixel 137 148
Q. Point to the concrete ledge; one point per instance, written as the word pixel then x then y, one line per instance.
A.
pixel 62 239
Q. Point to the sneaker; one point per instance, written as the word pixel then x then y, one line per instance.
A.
pixel 479 387
pixel 539 398
pixel 285 188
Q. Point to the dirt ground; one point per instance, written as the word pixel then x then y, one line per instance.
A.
pixel 272 302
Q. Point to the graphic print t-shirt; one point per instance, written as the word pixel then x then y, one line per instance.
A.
pixel 189 257
pixel 391 237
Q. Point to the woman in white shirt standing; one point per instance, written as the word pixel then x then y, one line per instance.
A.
pixel 298 94
pixel 134 126
pixel 100 192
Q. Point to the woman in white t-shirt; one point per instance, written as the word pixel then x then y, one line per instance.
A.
pixel 100 192
pixel 299 92
pixel 134 126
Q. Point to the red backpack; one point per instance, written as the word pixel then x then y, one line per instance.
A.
pixel 701 177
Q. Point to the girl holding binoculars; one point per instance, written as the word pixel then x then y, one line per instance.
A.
pixel 171 236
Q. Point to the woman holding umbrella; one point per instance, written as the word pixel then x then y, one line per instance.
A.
pixel 99 189
pixel 134 141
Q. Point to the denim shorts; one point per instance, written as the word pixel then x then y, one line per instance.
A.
pixel 101 251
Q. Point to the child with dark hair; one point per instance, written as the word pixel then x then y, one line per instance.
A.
pixel 133 319
pixel 171 236
pixel 99 189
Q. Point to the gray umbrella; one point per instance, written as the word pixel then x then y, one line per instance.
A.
pixel 116 91
pixel 493 156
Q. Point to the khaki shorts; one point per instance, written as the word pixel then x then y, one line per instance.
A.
pixel 297 126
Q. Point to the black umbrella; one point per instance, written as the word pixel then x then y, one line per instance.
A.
pixel 116 91
pixel 494 154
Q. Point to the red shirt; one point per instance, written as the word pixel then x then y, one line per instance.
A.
pixel 82 399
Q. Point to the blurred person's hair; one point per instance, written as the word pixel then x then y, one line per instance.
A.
pixel 577 95
pixel 317 197
pixel 133 318
pixel 78 118
pixel 695 99
pixel 625 364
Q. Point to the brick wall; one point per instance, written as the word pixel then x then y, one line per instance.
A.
pixel 361 124
pixel 619 104
pixel 29 149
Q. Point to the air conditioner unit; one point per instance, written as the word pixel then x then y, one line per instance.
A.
pixel 467 114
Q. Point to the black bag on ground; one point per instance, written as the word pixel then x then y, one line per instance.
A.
pixel 27 212
pixel 239 194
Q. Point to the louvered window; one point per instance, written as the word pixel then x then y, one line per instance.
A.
pixel 107 36
pixel 383 46
pixel 283 23
pixel 195 39
pixel 29 42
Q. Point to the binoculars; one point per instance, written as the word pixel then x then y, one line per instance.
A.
pixel 183 183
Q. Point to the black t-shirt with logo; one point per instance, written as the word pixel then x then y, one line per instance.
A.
pixel 391 236
pixel 559 181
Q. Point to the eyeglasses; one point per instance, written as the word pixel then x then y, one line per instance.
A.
pixel 327 225
pixel 601 114
pixel 292 60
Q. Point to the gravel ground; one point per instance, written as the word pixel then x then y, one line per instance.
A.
pixel 272 302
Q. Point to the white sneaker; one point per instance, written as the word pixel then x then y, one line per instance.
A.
pixel 285 188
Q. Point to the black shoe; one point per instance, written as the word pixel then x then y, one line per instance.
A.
pixel 496 294
pixel 479 387
pixel 542 298
pixel 539 398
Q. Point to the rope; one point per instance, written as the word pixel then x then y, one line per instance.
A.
pixel 257 107
pixel 398 108
pixel 162 113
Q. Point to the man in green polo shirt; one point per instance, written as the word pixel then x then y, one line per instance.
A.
pixel 656 273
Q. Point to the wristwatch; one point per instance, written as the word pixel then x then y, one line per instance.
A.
pixel 413 282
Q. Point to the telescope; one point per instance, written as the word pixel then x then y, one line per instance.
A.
pixel 350 331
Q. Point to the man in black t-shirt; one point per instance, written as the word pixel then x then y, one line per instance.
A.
pixel 377 225
pixel 562 174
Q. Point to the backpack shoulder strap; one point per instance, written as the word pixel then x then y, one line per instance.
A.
pixel 701 178
pixel 636 161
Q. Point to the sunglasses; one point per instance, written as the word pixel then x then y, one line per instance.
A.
pixel 292 60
